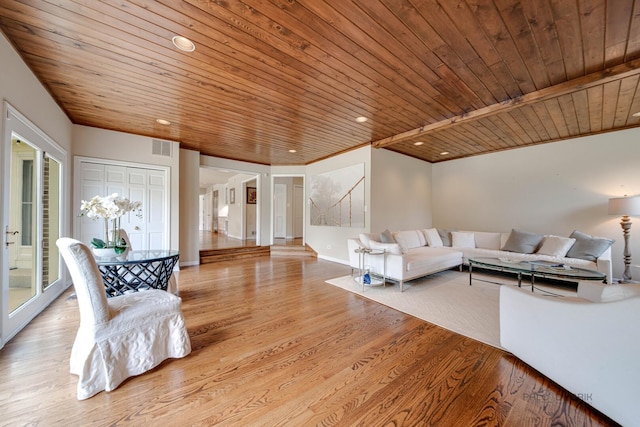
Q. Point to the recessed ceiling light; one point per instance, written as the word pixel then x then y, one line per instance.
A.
pixel 636 114
pixel 444 153
pixel 293 151
pixel 418 143
pixel 361 119
pixel 163 121
pixel 183 43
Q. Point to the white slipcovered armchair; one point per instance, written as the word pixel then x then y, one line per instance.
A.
pixel 122 336
pixel 588 346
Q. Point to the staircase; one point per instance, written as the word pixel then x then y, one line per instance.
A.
pixel 228 254
pixel 289 250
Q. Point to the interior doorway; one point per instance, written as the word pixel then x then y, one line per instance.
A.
pixel 233 203
pixel 288 210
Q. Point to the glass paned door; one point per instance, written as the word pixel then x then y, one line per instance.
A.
pixel 32 209
pixel 20 233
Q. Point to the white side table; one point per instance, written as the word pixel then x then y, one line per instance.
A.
pixel 362 254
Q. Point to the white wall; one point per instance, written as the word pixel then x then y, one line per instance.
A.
pixel 22 90
pixel 398 196
pixel 189 207
pixel 400 192
pixel 126 147
pixel 550 188
pixel 20 87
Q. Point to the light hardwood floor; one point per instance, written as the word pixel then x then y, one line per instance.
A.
pixel 274 345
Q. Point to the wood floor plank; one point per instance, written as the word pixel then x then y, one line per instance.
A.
pixel 273 344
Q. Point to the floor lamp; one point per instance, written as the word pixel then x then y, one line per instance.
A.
pixel 625 206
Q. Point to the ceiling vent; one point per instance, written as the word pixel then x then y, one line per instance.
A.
pixel 161 148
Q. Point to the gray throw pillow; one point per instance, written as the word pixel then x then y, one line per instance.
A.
pixel 445 236
pixel 588 247
pixel 522 242
pixel 387 237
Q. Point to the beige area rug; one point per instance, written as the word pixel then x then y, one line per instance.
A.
pixel 447 300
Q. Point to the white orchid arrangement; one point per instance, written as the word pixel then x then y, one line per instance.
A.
pixel 110 209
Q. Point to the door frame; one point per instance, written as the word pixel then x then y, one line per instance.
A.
pixel 15 122
pixel 77 193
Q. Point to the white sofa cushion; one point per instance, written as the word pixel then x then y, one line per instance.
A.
pixel 461 239
pixel 392 248
pixel 486 240
pixel 410 239
pixel 427 258
pixel 365 238
pixel 556 245
pixel 433 238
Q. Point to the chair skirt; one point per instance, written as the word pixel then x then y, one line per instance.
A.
pixel 145 328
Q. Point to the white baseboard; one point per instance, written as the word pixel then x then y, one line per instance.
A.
pixel 332 259
pixel 189 263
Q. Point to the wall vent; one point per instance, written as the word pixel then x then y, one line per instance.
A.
pixel 161 148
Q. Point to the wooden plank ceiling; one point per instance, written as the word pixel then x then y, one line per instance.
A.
pixel 463 77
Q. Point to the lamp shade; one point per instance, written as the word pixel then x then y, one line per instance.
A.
pixel 624 206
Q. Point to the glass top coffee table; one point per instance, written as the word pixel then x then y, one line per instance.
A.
pixel 541 269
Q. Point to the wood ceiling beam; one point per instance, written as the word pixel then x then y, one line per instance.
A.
pixel 595 79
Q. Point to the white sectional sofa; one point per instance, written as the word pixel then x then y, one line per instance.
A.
pixel 417 253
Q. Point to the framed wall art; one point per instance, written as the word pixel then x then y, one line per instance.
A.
pixel 337 198
pixel 252 195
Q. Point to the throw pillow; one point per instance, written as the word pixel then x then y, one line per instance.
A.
pixel 556 246
pixel 522 242
pixel 461 239
pixel 365 239
pixel 588 247
pixel 387 237
pixel 391 248
pixel 433 238
pixel 409 239
pixel 445 236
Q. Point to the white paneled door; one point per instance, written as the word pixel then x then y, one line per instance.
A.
pixel 280 211
pixel 146 185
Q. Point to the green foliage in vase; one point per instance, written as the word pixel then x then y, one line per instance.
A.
pixel 98 243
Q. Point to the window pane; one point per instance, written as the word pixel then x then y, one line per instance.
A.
pixel 27 202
